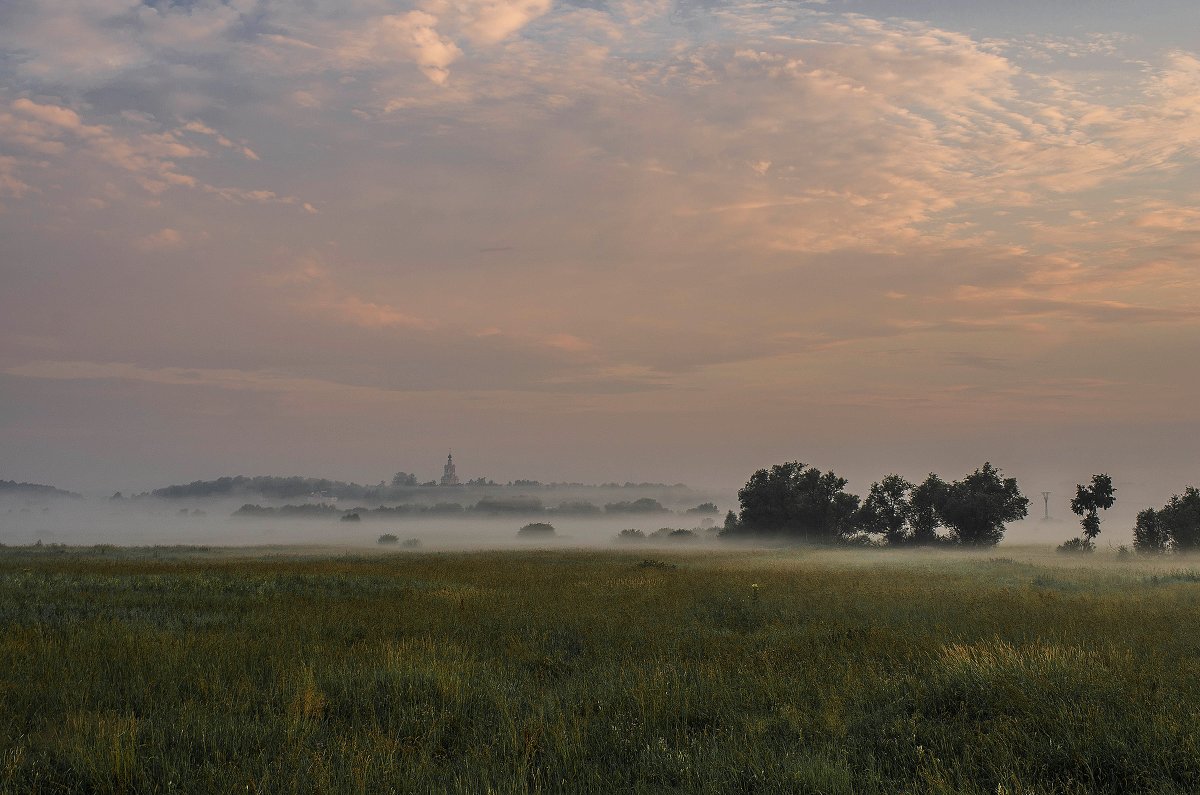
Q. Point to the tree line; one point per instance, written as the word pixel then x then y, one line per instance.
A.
pixel 799 502
pixel 1175 527
pixel 521 505
pixel 794 501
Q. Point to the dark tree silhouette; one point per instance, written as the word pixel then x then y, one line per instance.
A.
pixel 923 503
pixel 1181 520
pixel 887 510
pixel 977 507
pixel 795 501
pixel 1150 534
pixel 401 479
pixel 1089 501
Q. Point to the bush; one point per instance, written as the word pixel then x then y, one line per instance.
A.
pixel 411 543
pixel 351 517
pixel 644 505
pixel 536 530
pixel 1077 546
pixel 631 534
pixel 388 538
pixel 682 535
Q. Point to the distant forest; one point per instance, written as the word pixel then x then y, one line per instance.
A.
pixel 521 505
pixel 401 487
pixel 12 487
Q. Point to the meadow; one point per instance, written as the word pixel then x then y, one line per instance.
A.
pixel 633 670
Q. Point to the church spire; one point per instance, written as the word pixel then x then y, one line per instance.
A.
pixel 449 476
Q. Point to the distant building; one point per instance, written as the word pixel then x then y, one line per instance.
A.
pixel 449 476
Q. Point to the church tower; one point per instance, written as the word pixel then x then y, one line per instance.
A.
pixel 449 476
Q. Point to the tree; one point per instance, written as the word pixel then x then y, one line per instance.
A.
pixel 796 501
pixel 1180 519
pixel 887 509
pixel 536 530
pixel 1150 535
pixel 643 505
pixel 1088 502
pixel 923 502
pixel 977 507
pixel 403 479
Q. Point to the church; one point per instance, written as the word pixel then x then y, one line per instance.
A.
pixel 449 476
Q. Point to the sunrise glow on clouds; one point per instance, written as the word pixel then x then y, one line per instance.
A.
pixel 587 239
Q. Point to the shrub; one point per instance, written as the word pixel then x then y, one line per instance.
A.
pixel 351 517
pixel 536 530
pixel 411 543
pixel 682 535
pixel 631 534
pixel 643 505
pixel 1077 546
pixel 388 538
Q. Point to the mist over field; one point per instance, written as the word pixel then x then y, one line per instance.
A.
pixel 148 520
pixel 163 524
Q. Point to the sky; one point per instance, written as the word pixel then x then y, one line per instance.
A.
pixel 589 241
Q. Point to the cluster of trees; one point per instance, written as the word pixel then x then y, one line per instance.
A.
pixel 523 504
pixel 669 533
pixel 270 486
pixel 34 490
pixel 409 543
pixel 401 487
pixel 644 505
pixel 536 530
pixel 1175 527
pixel 520 505
pixel 402 480
pixel 799 502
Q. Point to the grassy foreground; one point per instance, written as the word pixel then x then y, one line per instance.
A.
pixel 822 672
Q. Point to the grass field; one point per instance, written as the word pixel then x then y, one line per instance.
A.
pixel 644 670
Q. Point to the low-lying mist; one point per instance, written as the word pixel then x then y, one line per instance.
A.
pixel 212 522
pixel 128 523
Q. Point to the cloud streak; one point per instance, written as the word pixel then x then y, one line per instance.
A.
pixel 652 208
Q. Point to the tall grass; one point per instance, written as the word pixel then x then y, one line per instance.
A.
pixel 533 671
